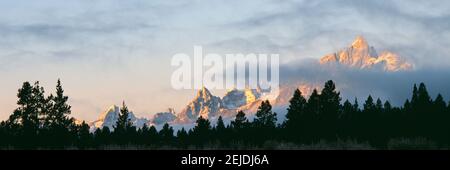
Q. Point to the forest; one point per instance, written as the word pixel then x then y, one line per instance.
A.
pixel 322 121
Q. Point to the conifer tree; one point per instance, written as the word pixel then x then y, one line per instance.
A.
pixel 220 131
pixel 330 99
pixel 379 106
pixel 166 134
pixel 264 125
pixel 346 119
pixel 295 111
pixel 203 127
pixel 437 121
pixel 182 137
pixel 59 110
pixel 366 119
pixel 27 118
pixel 153 135
pixel 419 118
pixel 84 136
pixel 123 123
pixel 265 118
pixel 369 106
pixel 123 128
pixel 220 128
pixel 329 111
pixel 239 121
pixel 356 105
pixel 387 107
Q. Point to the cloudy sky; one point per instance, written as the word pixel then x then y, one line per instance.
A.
pixel 106 51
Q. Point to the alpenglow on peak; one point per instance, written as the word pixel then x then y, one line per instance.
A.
pixel 361 55
pixel 360 42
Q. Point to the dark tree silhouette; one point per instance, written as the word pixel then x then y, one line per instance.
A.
pixel 44 122
pixel 240 120
pixel 202 131
pixel 220 125
pixel 296 118
pixel 166 134
pixel 329 105
pixel 265 118
pixel 123 123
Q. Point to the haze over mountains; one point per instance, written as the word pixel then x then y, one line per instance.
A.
pixel 358 56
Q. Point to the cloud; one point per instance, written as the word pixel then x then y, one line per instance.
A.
pixel 93 44
pixel 353 82
pixel 312 28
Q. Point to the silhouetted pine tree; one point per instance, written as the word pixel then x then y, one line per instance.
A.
pixel 57 122
pixel 141 135
pixel 390 117
pixel 368 112
pixel 123 122
pixel 85 138
pixel 153 136
pixel 123 127
pixel 182 138
pixel 220 131
pixel 378 136
pixel 25 120
pixel 102 137
pixel 264 124
pixel 329 110
pixel 166 135
pixel 60 110
pixel 295 117
pixel 265 118
pixel 240 121
pixel 202 131
pixel 346 123
pixel 312 132
pixel 387 107
pixel 437 121
pixel 421 103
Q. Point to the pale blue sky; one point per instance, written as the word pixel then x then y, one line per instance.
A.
pixel 106 51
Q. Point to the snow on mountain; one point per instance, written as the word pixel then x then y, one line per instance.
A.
pixel 361 55
pixel 235 98
pixel 164 117
pixel 209 106
pixel 204 104
pixel 109 117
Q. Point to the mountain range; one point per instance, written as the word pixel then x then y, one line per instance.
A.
pixel 359 55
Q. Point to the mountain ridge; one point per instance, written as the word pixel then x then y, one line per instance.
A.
pixel 361 55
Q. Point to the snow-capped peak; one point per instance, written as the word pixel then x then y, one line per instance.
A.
pixel 235 98
pixel 164 117
pixel 109 118
pixel 204 104
pixel 204 93
pixel 361 55
pixel 360 42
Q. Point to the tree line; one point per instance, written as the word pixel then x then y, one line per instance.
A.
pixel 42 121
